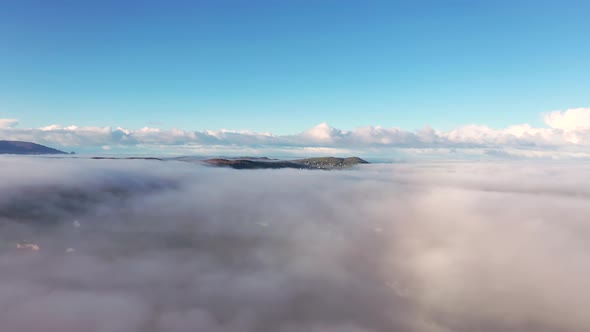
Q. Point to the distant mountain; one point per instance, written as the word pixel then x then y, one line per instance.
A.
pixel 265 163
pixel 18 147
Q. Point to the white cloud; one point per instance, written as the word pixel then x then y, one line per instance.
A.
pixel 8 123
pixel 570 120
pixel 568 131
pixel 323 133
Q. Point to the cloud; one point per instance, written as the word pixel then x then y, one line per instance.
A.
pixel 323 133
pixel 171 246
pixel 568 135
pixel 570 120
pixel 8 123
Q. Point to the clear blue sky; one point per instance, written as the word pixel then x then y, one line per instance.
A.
pixel 286 65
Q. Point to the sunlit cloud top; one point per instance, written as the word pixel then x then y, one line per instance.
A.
pixel 565 131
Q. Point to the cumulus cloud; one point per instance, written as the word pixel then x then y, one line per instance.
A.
pixel 567 135
pixel 171 246
pixel 572 119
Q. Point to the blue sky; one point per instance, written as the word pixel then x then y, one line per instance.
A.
pixel 285 66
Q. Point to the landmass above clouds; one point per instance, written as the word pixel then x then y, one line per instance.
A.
pixel 326 163
pixel 28 148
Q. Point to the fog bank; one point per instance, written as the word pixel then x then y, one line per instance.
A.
pixel 133 245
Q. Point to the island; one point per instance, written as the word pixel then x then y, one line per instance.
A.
pixel 326 163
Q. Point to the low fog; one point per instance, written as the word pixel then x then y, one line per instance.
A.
pixel 134 245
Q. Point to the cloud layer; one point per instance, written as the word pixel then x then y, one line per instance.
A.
pixel 567 134
pixel 171 246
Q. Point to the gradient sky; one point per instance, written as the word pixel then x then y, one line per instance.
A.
pixel 286 65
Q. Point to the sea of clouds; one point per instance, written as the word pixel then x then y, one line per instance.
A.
pixel 133 245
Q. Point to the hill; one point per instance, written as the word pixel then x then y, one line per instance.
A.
pixel 331 162
pixel 265 163
pixel 28 148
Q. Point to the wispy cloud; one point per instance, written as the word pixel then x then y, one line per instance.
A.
pixel 8 123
